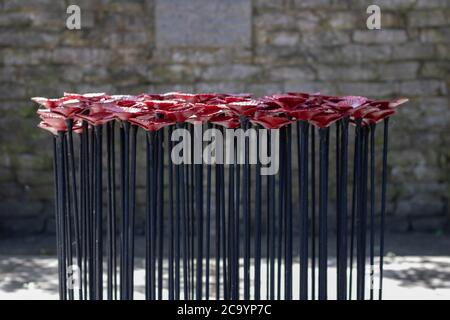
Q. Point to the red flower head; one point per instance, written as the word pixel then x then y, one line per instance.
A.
pixel 176 111
pixel 270 115
pixel 244 108
pixel 326 118
pixel 52 120
pixel 226 119
pixel 204 112
pixel 151 121
pixel 154 111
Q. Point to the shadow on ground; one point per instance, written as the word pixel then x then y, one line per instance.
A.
pixel 417 267
pixel 426 272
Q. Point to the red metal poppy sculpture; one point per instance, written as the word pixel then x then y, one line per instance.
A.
pixel 154 111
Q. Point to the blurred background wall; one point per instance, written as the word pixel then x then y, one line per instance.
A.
pixel 257 46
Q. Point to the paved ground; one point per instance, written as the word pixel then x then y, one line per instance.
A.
pixel 417 267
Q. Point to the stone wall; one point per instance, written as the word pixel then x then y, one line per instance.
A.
pixel 258 46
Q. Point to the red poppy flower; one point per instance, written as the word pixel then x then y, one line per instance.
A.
pixel 48 127
pixel 123 113
pixel 186 97
pixel 178 112
pixel 378 115
pixel 270 117
pixel 236 97
pixel 397 102
pixel 361 111
pixel 326 118
pixel 243 108
pixel 204 112
pixel 48 103
pixel 352 101
pixel 146 96
pixel 301 94
pixel 287 101
pixel 227 120
pixel 154 111
pixel 55 120
pixel 150 122
pixel 95 119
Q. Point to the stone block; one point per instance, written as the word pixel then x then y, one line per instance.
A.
pixel 383 4
pixel 422 87
pixel 28 39
pixel 350 72
pixel 220 86
pixel 230 72
pixel 438 69
pixel 296 72
pixel 398 70
pixel 270 4
pixel 310 86
pixel 442 51
pixel 203 23
pixel 320 4
pixel 261 89
pixel 412 50
pixel 429 18
pixel 432 4
pixel 344 20
pixel 435 35
pixel 325 38
pixel 380 36
pixel 370 89
pixel 284 38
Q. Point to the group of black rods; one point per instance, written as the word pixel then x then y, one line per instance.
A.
pixel 220 231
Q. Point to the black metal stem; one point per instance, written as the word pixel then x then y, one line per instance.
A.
pixel 225 261
pixel 281 207
pixel 83 210
pixel 208 223
pixel 91 193
pixel 342 218
pixel 198 169
pixel 271 199
pixel 231 231
pixel 303 127
pixel 362 216
pixel 356 173
pixel 110 218
pixel 67 216
pixel 160 211
pixel 132 210
pixel 98 234
pixel 185 205
pixel 323 213
pixel 59 198
pixel 125 279
pixel 218 225
pixel 258 226
pixel 383 203
pixel 171 216
pixel 178 210
pixel 288 218
pixel 76 212
pixel 313 213
pixel 237 224
pixel 246 210
pixel 372 210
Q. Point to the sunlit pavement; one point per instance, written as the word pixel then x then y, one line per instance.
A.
pixel 417 267
pixel 424 277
